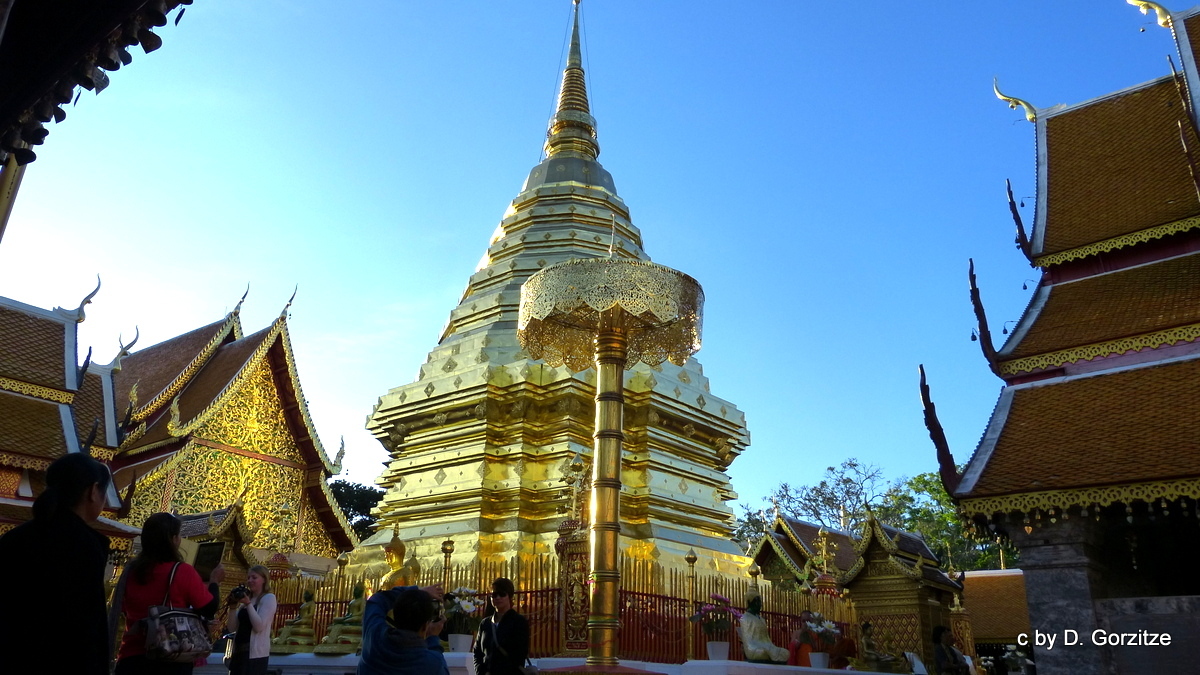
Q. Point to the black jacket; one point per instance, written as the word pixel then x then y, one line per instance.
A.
pixel 52 606
pixel 513 635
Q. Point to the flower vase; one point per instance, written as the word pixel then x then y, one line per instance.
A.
pixel 718 650
pixel 460 642
pixel 818 659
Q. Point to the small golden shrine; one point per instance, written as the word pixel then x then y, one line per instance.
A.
pixel 892 575
pixel 482 441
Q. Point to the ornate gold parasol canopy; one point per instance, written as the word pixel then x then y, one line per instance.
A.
pixel 562 307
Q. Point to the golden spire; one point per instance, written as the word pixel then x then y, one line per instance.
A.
pixel 572 129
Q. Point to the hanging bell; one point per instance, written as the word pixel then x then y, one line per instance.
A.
pixel 149 40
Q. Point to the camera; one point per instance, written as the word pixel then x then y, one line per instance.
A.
pixel 240 591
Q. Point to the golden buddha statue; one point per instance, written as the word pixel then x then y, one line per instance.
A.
pixel 297 635
pixel 345 632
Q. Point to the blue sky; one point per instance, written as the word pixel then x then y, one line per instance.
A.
pixel 824 170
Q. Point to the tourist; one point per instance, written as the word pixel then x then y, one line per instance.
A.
pixel 148 580
pixel 946 659
pixel 53 617
pixel 410 644
pixel 802 642
pixel 503 641
pixel 251 623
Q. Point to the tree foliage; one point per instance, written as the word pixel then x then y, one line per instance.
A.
pixel 844 495
pixel 356 501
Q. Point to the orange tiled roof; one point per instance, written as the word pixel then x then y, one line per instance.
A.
pixel 1119 304
pixel 1116 166
pixel 31 427
pixel 156 367
pixel 32 348
pixel 89 406
pixel 995 601
pixel 1132 426
pixel 206 385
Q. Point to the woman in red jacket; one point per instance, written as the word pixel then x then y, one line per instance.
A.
pixel 146 584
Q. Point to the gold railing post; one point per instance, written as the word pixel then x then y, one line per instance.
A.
pixel 604 617
pixel 690 558
pixel 447 551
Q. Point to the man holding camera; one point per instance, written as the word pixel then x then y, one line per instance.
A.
pixel 406 643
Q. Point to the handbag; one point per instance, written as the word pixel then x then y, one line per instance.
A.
pixel 528 668
pixel 175 634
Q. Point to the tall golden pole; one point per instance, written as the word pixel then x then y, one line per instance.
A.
pixel 608 314
pixel 608 437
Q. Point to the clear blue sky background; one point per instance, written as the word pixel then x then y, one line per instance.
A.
pixel 824 169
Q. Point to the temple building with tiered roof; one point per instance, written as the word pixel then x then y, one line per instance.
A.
pixel 1090 463
pixel 481 440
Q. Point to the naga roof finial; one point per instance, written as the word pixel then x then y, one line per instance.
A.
pixel 1162 13
pixel 123 351
pixel 238 308
pixel 79 315
pixel 283 314
pixel 337 463
pixel 1013 102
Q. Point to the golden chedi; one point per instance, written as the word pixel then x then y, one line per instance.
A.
pixel 481 441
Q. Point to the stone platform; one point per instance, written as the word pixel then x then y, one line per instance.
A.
pixel 460 663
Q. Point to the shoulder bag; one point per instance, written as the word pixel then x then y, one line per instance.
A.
pixel 175 634
pixel 528 668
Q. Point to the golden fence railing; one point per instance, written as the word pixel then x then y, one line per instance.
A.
pixel 655 604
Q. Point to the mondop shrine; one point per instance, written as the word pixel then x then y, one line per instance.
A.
pixel 563 433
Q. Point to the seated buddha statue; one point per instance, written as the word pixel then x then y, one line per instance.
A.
pixel 345 632
pixel 299 631
pixel 756 639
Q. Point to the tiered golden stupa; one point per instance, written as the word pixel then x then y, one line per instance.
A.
pixel 480 441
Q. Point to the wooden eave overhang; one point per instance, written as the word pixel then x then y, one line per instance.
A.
pixel 51 47
pixel 1118 435
pixel 1142 307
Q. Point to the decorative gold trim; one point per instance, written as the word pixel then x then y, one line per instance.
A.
pixel 1106 245
pixel 337 511
pixel 24 461
pixel 1153 340
pixel 120 543
pixel 1086 497
pixel 288 358
pixel 36 391
pixel 102 453
pixel 181 380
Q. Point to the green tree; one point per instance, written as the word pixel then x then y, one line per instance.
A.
pixel 356 501
pixel 750 526
pixel 840 500
pixel 921 505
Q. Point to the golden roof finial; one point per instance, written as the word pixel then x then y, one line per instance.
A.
pixel 238 308
pixel 572 128
pixel 123 351
pixel 1163 14
pixel 80 316
pixel 1013 102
